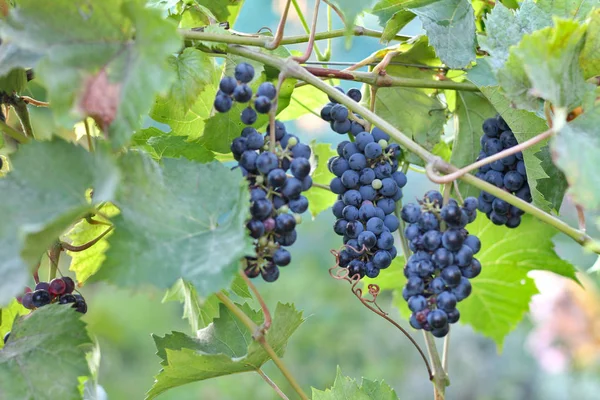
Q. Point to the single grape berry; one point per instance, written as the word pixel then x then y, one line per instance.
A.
pixel 223 103
pixel 244 72
pixel 41 298
pixel 268 90
pixel 57 287
pixel 262 104
pixel 227 85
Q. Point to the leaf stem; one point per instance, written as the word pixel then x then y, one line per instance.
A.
pixel 267 314
pixel 321 186
pixel 54 256
pixel 445 352
pixel 88 135
pixel 271 383
pixel 262 341
pixel 305 26
pixel 22 112
pixel 336 10
pixel 87 245
pixel 34 102
pixel 440 378
pixel 273 44
pixel 13 133
pixel 311 38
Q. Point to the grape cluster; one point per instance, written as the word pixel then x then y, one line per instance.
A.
pixel 59 290
pixel 338 116
pixel 368 185
pixel 237 89
pixel 277 174
pixel 442 262
pixel 508 174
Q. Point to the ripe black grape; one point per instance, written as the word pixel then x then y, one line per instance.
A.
pixel 340 118
pixel 438 272
pixel 57 291
pixel 508 173
pixel 244 72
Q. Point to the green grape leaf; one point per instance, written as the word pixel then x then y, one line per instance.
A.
pixel 240 288
pixel 575 149
pixel 222 348
pixel 118 56
pixel 32 346
pixel 571 9
pixel 549 58
pixel 42 198
pixel 224 10
pixel 424 120
pixel 87 263
pixel 450 26
pixel 305 100
pixel 471 109
pixel 186 293
pixel 320 199
pixel 221 128
pixel 546 181
pixel 215 46
pixel 346 388
pixel 395 24
pixel 194 70
pixel 589 59
pixel 180 220
pixel 8 316
pixel 501 293
pixel 13 56
pixel 351 9
pixel 505 28
pixel 384 10
pixel 159 144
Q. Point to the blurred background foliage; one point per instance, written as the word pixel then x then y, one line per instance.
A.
pixel 554 354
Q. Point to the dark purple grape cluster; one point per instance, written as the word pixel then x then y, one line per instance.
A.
pixel 277 174
pixel 340 118
pixel 442 262
pixel 508 173
pixel 368 185
pixel 237 89
pixel 59 290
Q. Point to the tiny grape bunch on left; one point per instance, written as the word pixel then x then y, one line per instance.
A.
pixel 277 168
pixel 58 290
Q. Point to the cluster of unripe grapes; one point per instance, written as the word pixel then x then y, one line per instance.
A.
pixel 507 173
pixel 277 173
pixel 237 89
pixel 58 290
pixel 439 270
pixel 340 118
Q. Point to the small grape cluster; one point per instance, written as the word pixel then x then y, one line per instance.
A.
pixel 368 185
pixel 508 173
pixel 237 89
pixel 276 199
pixel 57 290
pixel 338 116
pixel 439 270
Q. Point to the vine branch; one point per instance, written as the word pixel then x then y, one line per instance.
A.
pixel 311 38
pixel 87 245
pixel 273 44
pixel 267 314
pixel 440 378
pixel 262 341
pixel 13 133
pixel 300 14
pixel 271 383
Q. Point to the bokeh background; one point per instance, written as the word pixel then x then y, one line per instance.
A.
pixel 552 355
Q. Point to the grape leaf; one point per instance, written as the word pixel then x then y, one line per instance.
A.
pixel 13 56
pixel 351 9
pixel 305 100
pixel 319 199
pixel 86 263
pixel 222 128
pixel 114 52
pixel 572 9
pixel 224 10
pixel 186 293
pixel 194 70
pixel 424 120
pixel 471 109
pixel 42 198
pixel 160 144
pixel 32 345
pixel 395 24
pixel 575 148
pixel 346 388
pixel 450 26
pixel 546 181
pixel 505 28
pixel 384 10
pixel 549 58
pixel 501 293
pixel 181 220
pixel 8 315
pixel 224 347
pixel 589 59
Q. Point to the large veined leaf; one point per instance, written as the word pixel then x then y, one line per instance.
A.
pixel 546 181
pixel 501 293
pixel 178 220
pixel 576 149
pixel 8 316
pixel 159 144
pixel 42 198
pixel 471 110
pixel 589 59
pixel 222 348
pixel 572 9
pixel 32 346
pixel 352 9
pixel 320 199
pixel 224 10
pixel 347 388
pixel 450 26
pixel 113 53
